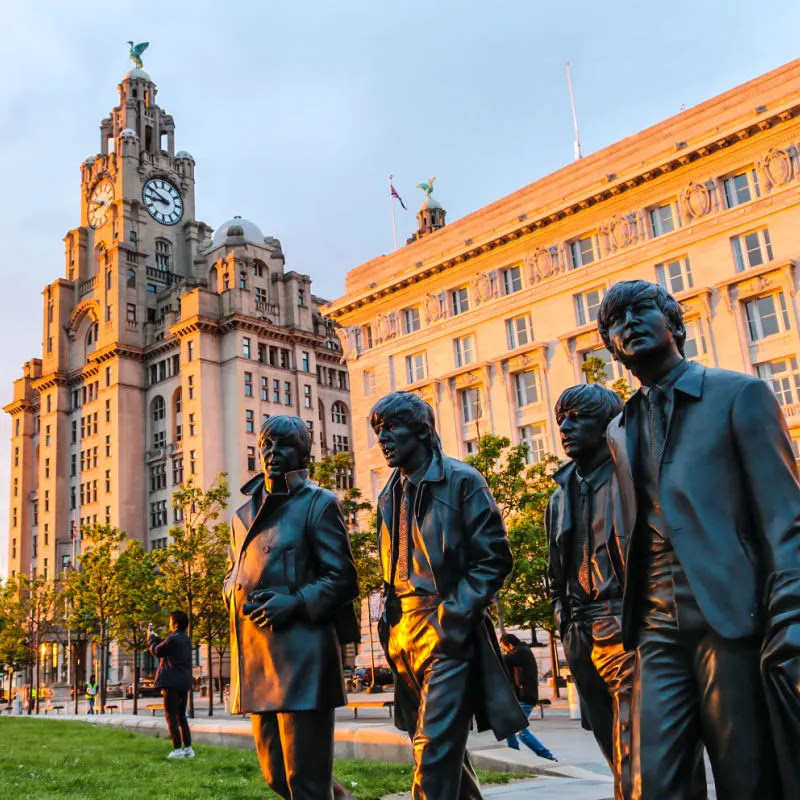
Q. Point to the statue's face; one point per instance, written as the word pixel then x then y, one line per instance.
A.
pixel 401 445
pixel 279 456
pixel 582 435
pixel 639 331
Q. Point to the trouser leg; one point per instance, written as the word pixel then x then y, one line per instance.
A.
pixel 270 753
pixel 307 743
pixel 734 718
pixel 526 736
pixel 578 645
pixel 171 712
pixel 186 734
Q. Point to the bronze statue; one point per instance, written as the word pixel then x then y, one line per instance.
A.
pixel 445 555
pixel 289 588
pixel 709 506
pixel 586 576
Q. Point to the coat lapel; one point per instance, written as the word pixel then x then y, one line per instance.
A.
pixel 623 438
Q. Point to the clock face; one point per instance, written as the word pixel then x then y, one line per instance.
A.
pixel 99 203
pixel 162 201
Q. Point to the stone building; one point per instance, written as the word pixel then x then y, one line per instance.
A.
pixel 490 317
pixel 164 348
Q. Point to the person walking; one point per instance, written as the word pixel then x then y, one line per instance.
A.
pixel 91 692
pixel 174 678
pixel 521 667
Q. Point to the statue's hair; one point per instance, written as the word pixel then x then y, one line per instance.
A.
pixel 591 400
pixel 286 428
pixel 625 293
pixel 410 409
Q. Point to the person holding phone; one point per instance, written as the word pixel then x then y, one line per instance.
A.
pixel 174 678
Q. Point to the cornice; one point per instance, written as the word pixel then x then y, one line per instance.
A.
pixel 49 381
pixel 19 406
pixel 525 224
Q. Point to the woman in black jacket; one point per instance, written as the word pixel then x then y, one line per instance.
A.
pixel 174 678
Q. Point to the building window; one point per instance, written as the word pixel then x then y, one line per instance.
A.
pixel 526 386
pixel 159 439
pixel 287 393
pixel 158 477
pixel 162 254
pixel 248 384
pixel 518 331
pixel 675 276
pixel 131 312
pixel 463 349
pixel 662 219
pixel 587 304
pixel 47 468
pixel 251 459
pixel 108 481
pixel 191 424
pixel 534 437
pixel 301 297
pixel 751 249
pixel 369 381
pixel 261 295
pixel 305 361
pixel 410 320
pixel 364 338
pixel 741 188
pixel 415 367
pixel 191 387
pixel 177 471
pixel 246 347
pixel 512 280
pixel 784 378
pixel 108 313
pixel 108 446
pixel 581 252
pixel 265 389
pixel 193 462
pixel 766 316
pixel 339 413
pixel 306 395
pixel 243 279
pixel 158 513
pixel 459 300
pixel 340 443
pixel 158 408
pixel 190 351
pixel 470 405
pixel 249 421
pixel 613 369
pixel 695 344
pixel 276 391
pixel 131 279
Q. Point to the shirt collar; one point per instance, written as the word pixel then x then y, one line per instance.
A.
pixel 597 477
pixel 667 383
pixel 417 477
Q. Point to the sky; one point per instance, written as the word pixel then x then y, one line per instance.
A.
pixel 297 112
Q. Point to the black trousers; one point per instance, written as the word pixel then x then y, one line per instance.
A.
pixel 295 752
pixel 442 770
pixel 175 713
pixel 694 688
pixel 603 672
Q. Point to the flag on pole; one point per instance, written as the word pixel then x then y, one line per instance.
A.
pixel 394 194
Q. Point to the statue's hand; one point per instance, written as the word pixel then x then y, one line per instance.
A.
pixel 276 611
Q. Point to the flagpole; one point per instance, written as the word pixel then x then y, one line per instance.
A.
pixel 394 221
pixel 574 115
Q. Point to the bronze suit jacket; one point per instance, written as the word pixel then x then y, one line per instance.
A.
pixel 729 494
pixel 297 545
pixel 467 549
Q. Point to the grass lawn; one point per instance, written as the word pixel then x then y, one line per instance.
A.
pixel 48 759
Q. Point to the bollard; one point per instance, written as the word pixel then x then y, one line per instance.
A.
pixel 573 699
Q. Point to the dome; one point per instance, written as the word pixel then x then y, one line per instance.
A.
pixel 125 132
pixel 138 73
pixel 250 231
pixel 183 154
pixel 429 202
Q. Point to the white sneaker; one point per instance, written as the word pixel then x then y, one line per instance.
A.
pixel 179 753
pixel 188 752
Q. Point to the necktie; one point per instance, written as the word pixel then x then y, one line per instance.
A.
pixel 404 532
pixel 655 418
pixel 585 567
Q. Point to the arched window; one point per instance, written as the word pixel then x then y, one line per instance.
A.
pixel 108 279
pixel 177 420
pixel 339 413
pixel 212 279
pixel 91 335
pixel 131 279
pixel 157 408
pixel 163 254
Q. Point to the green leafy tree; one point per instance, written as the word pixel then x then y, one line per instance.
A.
pixel 183 562
pixel 13 650
pixel 135 604
pixel 92 592
pixel 594 368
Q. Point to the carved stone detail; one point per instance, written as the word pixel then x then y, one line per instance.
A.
pixel 542 263
pixel 778 166
pixel 385 326
pixel 432 308
pixel 482 287
pixel 347 339
pixel 697 199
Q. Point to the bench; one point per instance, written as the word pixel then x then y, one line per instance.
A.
pixel 111 708
pixel 57 709
pixel 153 707
pixel 541 706
pixel 355 705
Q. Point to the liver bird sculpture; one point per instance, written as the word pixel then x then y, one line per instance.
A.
pixel 136 52
pixel 427 187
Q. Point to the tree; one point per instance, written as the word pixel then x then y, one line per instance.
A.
pixel 594 368
pixel 135 604
pixel 92 592
pixel 13 649
pixel 183 561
